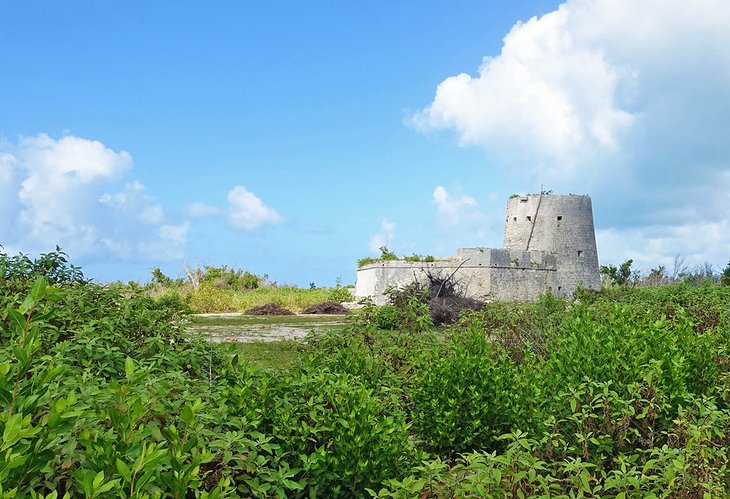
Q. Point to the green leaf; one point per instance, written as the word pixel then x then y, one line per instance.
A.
pixel 12 430
pixel 98 479
pixel 129 367
pixel 187 415
pixel 18 319
pixel 107 486
pixel 39 289
pixel 124 471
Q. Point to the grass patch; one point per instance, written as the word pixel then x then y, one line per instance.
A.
pixel 271 355
pixel 209 299
pixel 249 320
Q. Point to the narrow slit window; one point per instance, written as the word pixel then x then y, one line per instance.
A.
pixel 529 219
pixel 514 219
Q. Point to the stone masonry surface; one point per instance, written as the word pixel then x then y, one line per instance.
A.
pixel 549 244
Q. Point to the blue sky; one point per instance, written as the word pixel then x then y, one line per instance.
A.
pixel 293 138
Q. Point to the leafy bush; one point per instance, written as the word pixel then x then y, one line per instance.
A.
pixel 725 276
pixel 339 294
pixel 621 275
pixel 387 317
pixel 441 298
pixel 234 279
pixel 387 255
pixel 352 437
pixel 462 396
pixel 624 393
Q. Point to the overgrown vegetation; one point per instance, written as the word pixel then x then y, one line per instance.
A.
pixel 223 289
pixel 625 275
pixel 441 298
pixel 387 255
pixel 622 393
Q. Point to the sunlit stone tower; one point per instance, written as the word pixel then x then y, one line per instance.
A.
pixel 562 225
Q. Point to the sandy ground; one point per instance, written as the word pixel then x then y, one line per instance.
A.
pixel 245 328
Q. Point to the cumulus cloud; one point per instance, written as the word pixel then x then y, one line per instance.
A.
pixel 247 211
pixel 9 188
pixel 628 101
pixel 135 203
pixel 201 210
pixel 384 236
pixel 57 191
pixel 455 209
pixel 547 95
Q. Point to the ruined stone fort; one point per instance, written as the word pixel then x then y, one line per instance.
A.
pixel 549 245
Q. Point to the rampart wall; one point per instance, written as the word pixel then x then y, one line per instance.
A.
pixel 549 244
pixel 483 273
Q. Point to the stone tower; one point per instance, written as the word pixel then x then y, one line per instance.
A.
pixel 562 225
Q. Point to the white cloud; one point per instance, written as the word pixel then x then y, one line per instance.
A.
pixel 57 192
pixel 656 245
pixel 546 93
pixel 247 211
pixel 9 188
pixel 384 236
pixel 135 203
pixel 627 101
pixel 455 209
pixel 201 210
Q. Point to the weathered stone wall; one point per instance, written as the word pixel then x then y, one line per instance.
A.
pixel 483 273
pixel 549 244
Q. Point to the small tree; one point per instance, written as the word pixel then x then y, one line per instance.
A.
pixel 657 277
pixel 622 275
pixel 386 254
pixel 158 277
pixel 725 276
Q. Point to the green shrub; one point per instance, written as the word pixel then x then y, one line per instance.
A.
pixel 233 279
pixel 103 394
pixel 387 317
pixel 339 294
pixel 462 396
pixel 347 437
pixel 725 276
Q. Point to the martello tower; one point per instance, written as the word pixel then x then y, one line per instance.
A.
pixel 562 225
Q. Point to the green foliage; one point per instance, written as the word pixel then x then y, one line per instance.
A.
pixel 352 436
pixel 211 299
pixel 387 317
pixel 462 397
pixel 233 279
pixel 725 276
pixel 387 255
pixel 419 258
pixel 621 276
pixel 164 281
pixel 339 294
pixel 624 393
pixel 223 289
pixel 54 266
pixel 366 261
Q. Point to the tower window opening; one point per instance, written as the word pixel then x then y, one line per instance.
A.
pixel 560 218
pixel 529 218
pixel 580 252
pixel 514 219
